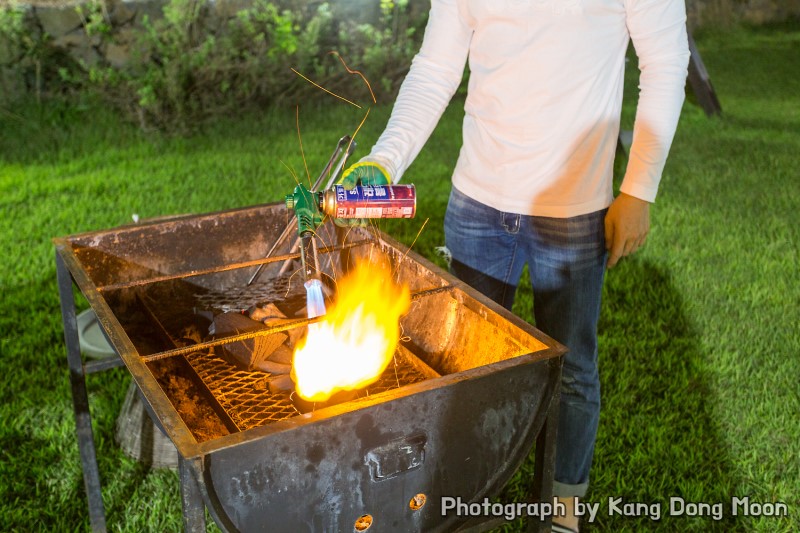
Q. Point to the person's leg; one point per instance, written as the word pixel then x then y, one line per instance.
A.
pixel 483 246
pixel 567 266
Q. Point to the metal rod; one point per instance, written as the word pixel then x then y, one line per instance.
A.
pixel 221 268
pixel 101 365
pixel 308 256
pixel 428 292
pixel 288 230
pixel 295 323
pixel 80 399
pixel 194 516
pixel 232 338
pixel 193 273
pixel 346 144
pixel 545 458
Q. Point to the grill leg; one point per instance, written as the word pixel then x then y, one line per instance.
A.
pixel 80 400
pixel 194 514
pixel 545 464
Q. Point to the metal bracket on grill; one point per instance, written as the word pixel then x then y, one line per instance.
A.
pixel 396 457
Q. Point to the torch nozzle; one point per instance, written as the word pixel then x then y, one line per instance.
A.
pixel 315 301
pixel 308 256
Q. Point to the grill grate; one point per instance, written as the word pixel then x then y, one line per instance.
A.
pixel 277 290
pixel 245 395
pixel 246 398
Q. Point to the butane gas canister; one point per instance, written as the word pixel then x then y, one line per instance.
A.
pixel 370 201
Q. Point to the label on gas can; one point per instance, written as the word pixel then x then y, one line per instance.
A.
pixel 371 201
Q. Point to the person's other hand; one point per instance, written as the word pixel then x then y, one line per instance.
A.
pixel 626 225
pixel 365 173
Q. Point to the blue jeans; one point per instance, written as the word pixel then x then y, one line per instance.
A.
pixel 566 260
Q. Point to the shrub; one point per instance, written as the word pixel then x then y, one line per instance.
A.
pixel 191 64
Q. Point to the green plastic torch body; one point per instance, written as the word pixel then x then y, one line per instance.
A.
pixel 306 205
pixel 356 204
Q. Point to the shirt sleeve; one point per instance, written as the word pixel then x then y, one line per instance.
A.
pixel 658 33
pixel 435 73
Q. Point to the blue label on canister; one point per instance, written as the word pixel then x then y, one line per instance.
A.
pixel 373 201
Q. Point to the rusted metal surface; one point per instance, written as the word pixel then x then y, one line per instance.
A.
pixel 472 387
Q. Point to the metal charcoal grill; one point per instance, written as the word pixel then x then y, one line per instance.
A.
pixel 471 389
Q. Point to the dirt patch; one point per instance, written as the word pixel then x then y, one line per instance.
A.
pixel 179 384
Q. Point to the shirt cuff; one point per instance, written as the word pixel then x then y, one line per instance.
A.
pixel 639 190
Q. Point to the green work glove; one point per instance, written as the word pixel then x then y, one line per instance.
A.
pixel 366 173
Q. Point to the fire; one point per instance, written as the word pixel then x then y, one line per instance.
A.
pixel 356 341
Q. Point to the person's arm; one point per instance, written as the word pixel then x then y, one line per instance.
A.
pixel 433 78
pixel 658 33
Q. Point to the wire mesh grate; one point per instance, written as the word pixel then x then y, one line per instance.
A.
pixel 277 290
pixel 246 397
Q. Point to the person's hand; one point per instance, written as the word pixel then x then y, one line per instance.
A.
pixel 365 173
pixel 627 224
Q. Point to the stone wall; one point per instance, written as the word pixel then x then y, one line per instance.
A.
pixel 61 21
pixel 63 24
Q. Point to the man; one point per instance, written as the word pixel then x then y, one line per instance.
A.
pixel 533 182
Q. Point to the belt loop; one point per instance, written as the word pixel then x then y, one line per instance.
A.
pixel 511 222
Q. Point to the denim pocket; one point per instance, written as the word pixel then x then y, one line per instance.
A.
pixel 571 243
pixel 466 214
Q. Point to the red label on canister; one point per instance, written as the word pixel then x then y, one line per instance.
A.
pixel 371 201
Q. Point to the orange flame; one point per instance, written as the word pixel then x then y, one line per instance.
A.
pixel 356 341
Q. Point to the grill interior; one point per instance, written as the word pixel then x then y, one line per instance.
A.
pixel 175 314
pixel 246 398
pixel 159 286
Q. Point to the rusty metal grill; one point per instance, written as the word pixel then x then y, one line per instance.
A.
pixel 276 289
pixel 246 398
pixel 486 382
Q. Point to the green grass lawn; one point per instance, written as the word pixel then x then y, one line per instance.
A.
pixel 700 346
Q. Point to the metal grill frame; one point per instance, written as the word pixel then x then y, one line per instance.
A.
pixel 195 458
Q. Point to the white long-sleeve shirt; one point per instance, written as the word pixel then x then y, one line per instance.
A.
pixel 544 99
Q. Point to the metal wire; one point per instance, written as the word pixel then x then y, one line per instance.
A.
pixel 246 397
